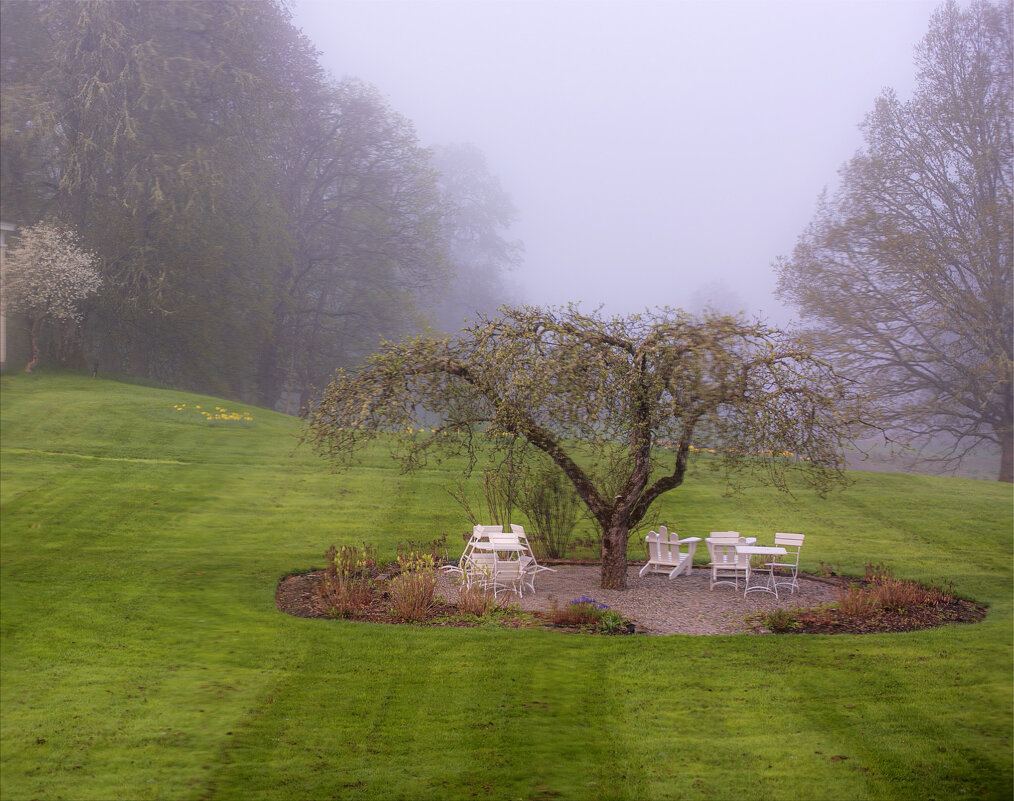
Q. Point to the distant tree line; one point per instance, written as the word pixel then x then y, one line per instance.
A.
pixel 257 224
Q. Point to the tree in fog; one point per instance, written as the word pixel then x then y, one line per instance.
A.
pixel 148 126
pixel 477 217
pixel 48 276
pixel 365 228
pixel 258 223
pixel 717 297
pixel 905 272
pixel 617 404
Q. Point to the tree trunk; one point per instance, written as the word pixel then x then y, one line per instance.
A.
pixel 36 325
pixel 614 557
pixel 1006 432
pixel 1007 456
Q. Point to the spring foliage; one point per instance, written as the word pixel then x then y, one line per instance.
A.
pixel 47 277
pixel 48 274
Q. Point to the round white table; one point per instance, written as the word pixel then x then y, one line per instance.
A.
pixel 764 550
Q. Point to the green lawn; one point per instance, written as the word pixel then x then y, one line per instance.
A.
pixel 142 655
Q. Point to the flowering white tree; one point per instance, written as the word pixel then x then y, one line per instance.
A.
pixel 48 276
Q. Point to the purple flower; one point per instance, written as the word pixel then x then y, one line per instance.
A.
pixel 584 599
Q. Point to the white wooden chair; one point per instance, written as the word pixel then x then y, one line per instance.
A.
pixel 665 556
pixel 531 566
pixel 785 569
pixel 726 565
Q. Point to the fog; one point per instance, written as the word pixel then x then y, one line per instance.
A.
pixel 659 153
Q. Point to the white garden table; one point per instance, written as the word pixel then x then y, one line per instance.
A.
pixel 762 550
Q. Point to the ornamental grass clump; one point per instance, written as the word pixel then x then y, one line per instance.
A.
pixel 347 587
pixel 857 602
pixel 884 592
pixel 475 599
pixel 898 594
pixel 412 589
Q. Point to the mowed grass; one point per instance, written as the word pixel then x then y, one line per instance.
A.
pixel 142 655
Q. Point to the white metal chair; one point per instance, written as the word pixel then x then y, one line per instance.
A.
pixel 461 568
pixel 508 574
pixel 529 563
pixel 499 568
pixel 665 556
pixel 726 565
pixel 792 543
pixel 475 566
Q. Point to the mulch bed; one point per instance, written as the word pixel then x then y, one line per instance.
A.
pixel 831 620
pixel 297 595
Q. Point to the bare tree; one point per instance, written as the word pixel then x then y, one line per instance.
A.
pixel 905 272
pixel 48 276
pixel 635 394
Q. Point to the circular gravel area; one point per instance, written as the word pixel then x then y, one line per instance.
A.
pixel 660 605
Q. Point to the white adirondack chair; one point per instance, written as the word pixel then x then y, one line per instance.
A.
pixel 726 565
pixel 665 556
pixel 785 569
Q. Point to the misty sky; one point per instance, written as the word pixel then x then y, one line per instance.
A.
pixel 655 150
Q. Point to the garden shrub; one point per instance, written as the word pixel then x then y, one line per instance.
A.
pixel 474 599
pixel 552 504
pixel 781 620
pixel 347 587
pixel 580 612
pixel 412 589
pixel 435 548
pixel 884 591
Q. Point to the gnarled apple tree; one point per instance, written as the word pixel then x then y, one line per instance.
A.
pixel 636 393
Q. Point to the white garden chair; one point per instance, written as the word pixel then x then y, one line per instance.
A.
pixel 494 560
pixel 475 565
pixel 530 564
pixel 726 564
pixel 665 556
pixel 508 575
pixel 785 569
